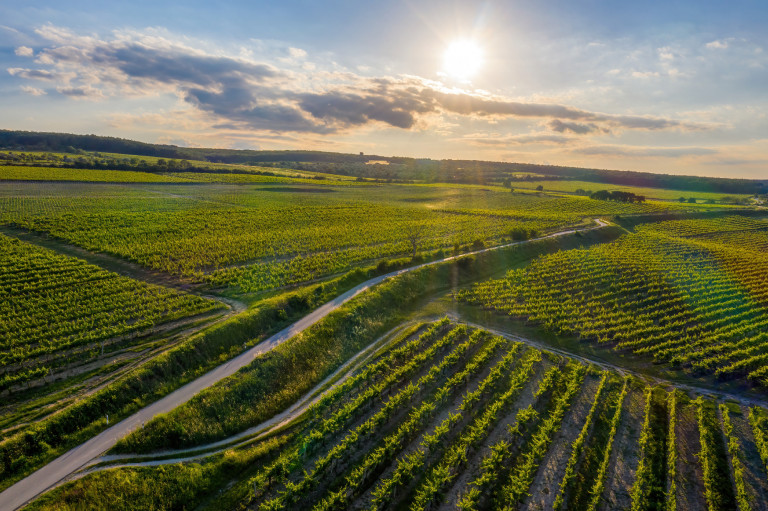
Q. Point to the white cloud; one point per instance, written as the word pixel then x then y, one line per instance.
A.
pixel 718 44
pixel 297 53
pixel 34 91
pixel 24 51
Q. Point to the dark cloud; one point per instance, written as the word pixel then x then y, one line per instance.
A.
pixel 575 127
pixel 650 123
pixel 354 110
pixel 167 66
pixel 466 104
pixel 80 92
pixel 240 105
pixel 35 74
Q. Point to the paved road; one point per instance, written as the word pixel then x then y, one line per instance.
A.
pixel 59 469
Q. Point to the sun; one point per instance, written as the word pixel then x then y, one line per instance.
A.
pixel 462 59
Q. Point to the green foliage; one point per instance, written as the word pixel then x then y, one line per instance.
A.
pixel 718 489
pixel 54 308
pixel 758 419
pixel 737 461
pixel 672 459
pixel 284 374
pixel 21 453
pixel 648 491
pixel 690 293
pixel 168 487
pixel 18 173
pixel 578 444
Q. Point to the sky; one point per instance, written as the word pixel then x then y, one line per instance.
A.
pixel 663 86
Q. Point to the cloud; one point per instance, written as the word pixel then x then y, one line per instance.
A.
pixel 297 53
pixel 644 151
pixel 718 44
pixel 24 51
pixel 574 127
pixel 237 91
pixel 36 74
pixel 481 139
pixel 34 91
pixel 645 74
pixel 84 92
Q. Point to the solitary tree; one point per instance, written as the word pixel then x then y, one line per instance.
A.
pixel 413 234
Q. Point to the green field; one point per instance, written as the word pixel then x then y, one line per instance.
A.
pixel 259 238
pixel 446 415
pixel 570 186
pixel 680 291
pixel 59 309
pixel 119 286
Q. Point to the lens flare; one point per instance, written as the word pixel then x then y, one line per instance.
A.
pixel 462 59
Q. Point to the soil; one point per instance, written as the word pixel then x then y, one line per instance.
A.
pixel 755 475
pixel 689 479
pixel 499 432
pixel 624 458
pixel 546 484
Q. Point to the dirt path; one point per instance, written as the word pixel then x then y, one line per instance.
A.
pixel 689 479
pixel 755 476
pixel 278 421
pixel 546 485
pixel 625 453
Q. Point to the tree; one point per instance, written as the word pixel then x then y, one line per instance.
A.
pixel 681 199
pixel 540 188
pixel 692 200
pixel 413 234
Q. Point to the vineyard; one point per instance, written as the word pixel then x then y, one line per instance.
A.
pixel 583 187
pixel 58 310
pixel 23 173
pixel 447 416
pixel 254 239
pixel 683 293
pixel 392 413
pixel 13 173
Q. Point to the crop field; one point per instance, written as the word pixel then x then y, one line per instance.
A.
pixel 22 173
pixel 113 290
pixel 570 186
pixel 13 173
pixel 447 416
pixel 252 239
pixel 57 309
pixel 685 293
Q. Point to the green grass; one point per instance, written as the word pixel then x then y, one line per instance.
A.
pixel 649 193
pixel 13 173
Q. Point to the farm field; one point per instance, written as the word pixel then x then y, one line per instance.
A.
pixel 571 186
pixel 53 174
pixel 252 239
pixel 59 310
pixel 448 416
pixel 270 249
pixel 688 293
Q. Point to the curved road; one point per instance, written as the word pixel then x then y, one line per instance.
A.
pixel 62 467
